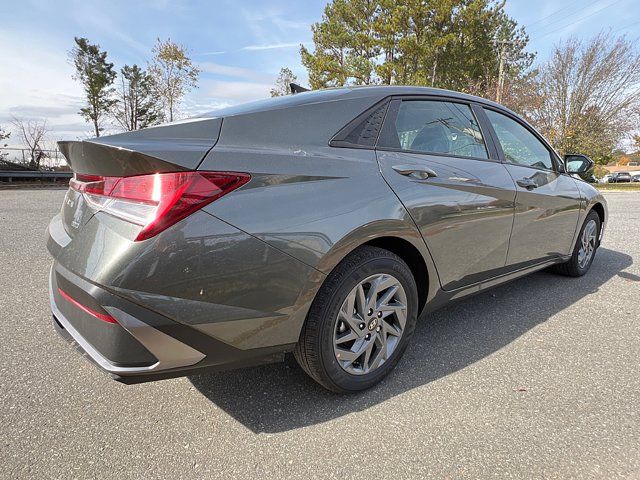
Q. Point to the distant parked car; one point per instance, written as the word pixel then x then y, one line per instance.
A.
pixel 635 176
pixel 620 177
pixel 605 179
pixel 589 178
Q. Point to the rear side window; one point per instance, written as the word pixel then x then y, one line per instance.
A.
pixel 432 126
pixel 519 145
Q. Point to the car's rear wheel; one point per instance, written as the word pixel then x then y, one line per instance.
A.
pixel 585 248
pixel 360 322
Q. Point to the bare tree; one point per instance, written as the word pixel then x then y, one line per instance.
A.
pixel 285 77
pixel 3 136
pixel 33 135
pixel 590 95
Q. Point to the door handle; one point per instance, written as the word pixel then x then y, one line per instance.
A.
pixel 414 171
pixel 527 183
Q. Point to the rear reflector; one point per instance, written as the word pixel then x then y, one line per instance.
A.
pixel 101 316
pixel 158 200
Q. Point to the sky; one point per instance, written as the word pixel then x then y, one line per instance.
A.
pixel 239 45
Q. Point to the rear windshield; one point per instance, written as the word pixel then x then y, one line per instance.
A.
pixel 278 102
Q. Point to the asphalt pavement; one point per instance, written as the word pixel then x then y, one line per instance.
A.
pixel 537 378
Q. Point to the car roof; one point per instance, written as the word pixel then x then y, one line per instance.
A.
pixel 376 93
pixel 386 90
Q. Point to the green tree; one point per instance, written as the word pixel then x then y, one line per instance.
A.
pixel 173 74
pixel 285 77
pixel 345 45
pixel 137 107
pixel 97 76
pixel 456 44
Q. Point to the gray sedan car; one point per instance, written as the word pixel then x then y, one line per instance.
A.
pixel 321 223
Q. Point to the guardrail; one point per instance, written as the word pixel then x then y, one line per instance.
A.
pixel 46 159
pixel 10 175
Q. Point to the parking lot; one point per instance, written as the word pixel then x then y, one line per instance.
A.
pixel 538 378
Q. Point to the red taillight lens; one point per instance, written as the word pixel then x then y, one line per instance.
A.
pixel 92 184
pixel 159 200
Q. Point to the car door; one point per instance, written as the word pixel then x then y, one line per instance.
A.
pixel 433 154
pixel 547 202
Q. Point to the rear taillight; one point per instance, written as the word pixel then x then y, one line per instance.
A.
pixel 158 200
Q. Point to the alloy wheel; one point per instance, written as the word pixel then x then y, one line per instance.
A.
pixel 370 324
pixel 587 244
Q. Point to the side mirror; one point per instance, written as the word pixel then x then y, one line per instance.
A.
pixel 578 163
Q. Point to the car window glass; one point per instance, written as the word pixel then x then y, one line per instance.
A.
pixel 439 127
pixel 519 145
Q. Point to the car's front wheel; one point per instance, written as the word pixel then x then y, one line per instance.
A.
pixel 360 322
pixel 585 248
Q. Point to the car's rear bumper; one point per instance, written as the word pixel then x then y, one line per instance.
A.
pixel 130 347
pixel 201 294
pixel 175 349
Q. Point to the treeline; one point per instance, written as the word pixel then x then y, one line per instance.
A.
pixel 585 98
pixel 137 97
pixel 451 44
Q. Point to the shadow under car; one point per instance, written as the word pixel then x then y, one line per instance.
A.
pixel 281 397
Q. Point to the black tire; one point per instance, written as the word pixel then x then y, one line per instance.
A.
pixel 572 268
pixel 315 349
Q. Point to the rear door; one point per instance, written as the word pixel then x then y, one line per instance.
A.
pixel 433 154
pixel 547 201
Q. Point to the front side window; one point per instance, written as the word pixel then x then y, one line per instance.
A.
pixel 438 127
pixel 519 145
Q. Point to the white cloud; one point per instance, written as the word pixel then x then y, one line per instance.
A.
pixel 105 26
pixel 271 26
pixel 196 107
pixel 271 46
pixel 230 71
pixel 235 92
pixel 37 83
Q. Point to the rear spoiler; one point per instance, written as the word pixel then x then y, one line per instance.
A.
pixel 166 148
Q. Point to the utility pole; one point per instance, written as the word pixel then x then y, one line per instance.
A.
pixel 501 67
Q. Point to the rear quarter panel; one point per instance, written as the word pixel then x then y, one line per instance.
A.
pixel 202 273
pixel 311 201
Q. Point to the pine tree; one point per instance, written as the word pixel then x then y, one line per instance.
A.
pixel 97 76
pixel 454 44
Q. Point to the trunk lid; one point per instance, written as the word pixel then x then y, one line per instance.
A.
pixel 167 148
